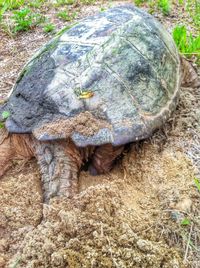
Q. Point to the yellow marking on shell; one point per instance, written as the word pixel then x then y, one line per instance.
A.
pixel 146 113
pixel 86 95
pixel 2 101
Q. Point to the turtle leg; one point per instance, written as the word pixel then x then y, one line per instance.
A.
pixel 59 162
pixel 104 157
pixel 13 146
pixel 6 151
pixel 189 74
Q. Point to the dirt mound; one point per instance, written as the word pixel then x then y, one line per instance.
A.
pixel 20 207
pixel 128 218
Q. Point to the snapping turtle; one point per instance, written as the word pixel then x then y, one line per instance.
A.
pixel 109 80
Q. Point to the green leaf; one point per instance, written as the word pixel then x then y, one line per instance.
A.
pixel 197 183
pixel 185 222
pixel 5 115
pixel 1 125
pixel 49 28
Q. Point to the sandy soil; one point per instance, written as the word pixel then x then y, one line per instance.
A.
pixel 131 217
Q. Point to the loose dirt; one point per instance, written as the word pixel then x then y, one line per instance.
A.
pixel 84 123
pixel 130 217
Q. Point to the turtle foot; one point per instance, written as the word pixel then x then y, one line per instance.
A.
pixel 103 158
pixel 59 164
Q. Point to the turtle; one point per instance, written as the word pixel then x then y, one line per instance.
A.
pixel 111 79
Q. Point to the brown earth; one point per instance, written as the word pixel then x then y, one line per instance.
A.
pixel 132 217
pixel 128 218
pixel 84 123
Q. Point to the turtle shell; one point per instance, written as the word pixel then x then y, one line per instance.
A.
pixel 111 78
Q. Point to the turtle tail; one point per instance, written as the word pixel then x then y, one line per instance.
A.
pixel 189 74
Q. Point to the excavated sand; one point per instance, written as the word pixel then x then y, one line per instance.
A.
pixel 117 220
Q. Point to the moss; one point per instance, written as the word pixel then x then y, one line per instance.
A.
pixel 49 47
pixel 66 28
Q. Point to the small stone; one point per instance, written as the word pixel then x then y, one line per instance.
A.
pixel 176 216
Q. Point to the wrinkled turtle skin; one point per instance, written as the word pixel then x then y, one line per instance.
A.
pixel 123 56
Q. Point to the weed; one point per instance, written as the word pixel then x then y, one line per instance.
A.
pixel 140 2
pixel 186 43
pixel 11 4
pixel 164 6
pixel 196 15
pixel 185 222
pixel 5 115
pixel 87 2
pixel 64 15
pixel 25 19
pixel 49 27
pixel 64 2
pixel 193 8
pixel 2 11
pixel 102 9
pixel 197 183
pixel 36 3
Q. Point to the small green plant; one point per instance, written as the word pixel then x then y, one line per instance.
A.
pixel 25 19
pixel 186 43
pixel 36 3
pixel 49 27
pixel 2 11
pixel 11 4
pixel 185 222
pixel 64 15
pixel 164 6
pixel 140 2
pixel 87 2
pixel 64 2
pixel 197 183
pixel 4 116
pixel 193 8
pixel 102 9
